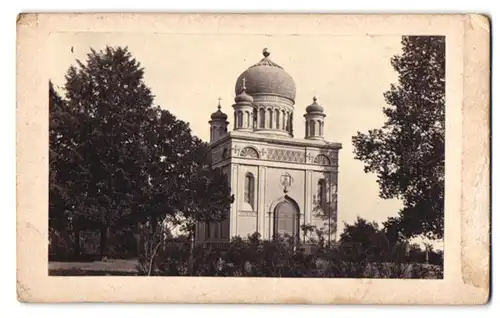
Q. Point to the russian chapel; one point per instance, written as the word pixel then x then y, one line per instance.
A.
pixel 279 182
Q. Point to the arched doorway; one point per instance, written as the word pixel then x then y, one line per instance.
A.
pixel 286 219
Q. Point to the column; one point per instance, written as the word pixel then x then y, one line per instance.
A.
pixel 334 196
pixel 234 206
pixel 308 198
pixel 261 213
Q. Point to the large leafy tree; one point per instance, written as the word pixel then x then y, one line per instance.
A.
pixel 407 153
pixel 116 159
pixel 180 167
pixel 61 159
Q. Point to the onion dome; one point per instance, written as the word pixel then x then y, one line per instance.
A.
pixel 243 97
pixel 314 107
pixel 267 78
pixel 219 114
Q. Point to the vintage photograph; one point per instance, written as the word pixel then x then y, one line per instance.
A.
pixel 253 158
pixel 246 155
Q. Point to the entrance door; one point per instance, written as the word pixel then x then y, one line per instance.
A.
pixel 286 219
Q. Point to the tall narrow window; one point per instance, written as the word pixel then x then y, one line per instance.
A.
pixel 249 189
pixel 307 128
pixel 240 119
pixel 254 119
pixel 287 128
pixel 248 123
pixel 313 128
pixel 262 118
pixel 270 112
pixel 283 126
pixel 207 231
pixel 321 193
pixel 277 119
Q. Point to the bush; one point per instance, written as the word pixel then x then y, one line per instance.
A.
pixel 282 257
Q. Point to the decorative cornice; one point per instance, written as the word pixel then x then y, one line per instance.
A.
pixel 287 141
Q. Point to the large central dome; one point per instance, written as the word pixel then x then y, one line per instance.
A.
pixel 267 78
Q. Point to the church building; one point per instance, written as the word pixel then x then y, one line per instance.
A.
pixel 279 182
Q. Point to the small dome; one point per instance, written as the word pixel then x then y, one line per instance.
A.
pixel 218 114
pixel 314 107
pixel 267 78
pixel 243 97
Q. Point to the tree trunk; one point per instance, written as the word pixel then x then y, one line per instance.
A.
pixel 191 249
pixel 104 241
pixel 76 250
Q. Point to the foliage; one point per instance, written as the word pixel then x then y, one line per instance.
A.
pixel 117 161
pixel 407 153
pixel 283 257
pixel 367 236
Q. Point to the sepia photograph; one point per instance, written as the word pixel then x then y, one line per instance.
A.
pixel 152 177
pixel 251 154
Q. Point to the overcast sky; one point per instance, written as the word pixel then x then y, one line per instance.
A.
pixel 188 73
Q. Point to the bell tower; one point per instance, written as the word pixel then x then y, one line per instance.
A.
pixel 218 124
pixel 243 110
pixel 315 120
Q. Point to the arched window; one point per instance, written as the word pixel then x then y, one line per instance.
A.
pixel 320 128
pixel 208 235
pixel 248 123
pixel 254 118
pixel 321 193
pixel 313 128
pixel 287 128
pixel 249 189
pixel 262 118
pixel 221 131
pixel 240 119
pixel 277 119
pixel 283 126
pixel 270 124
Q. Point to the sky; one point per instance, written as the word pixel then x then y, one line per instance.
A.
pixel 187 73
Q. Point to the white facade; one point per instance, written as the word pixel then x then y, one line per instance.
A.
pixel 279 182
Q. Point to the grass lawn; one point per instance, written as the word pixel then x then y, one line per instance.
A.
pixel 119 267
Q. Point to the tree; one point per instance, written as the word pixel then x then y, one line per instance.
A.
pixel 58 149
pixel 407 153
pixel 181 168
pixel 366 237
pixel 118 161
pixel 113 111
pixel 61 162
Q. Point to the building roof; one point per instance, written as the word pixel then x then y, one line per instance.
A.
pixel 314 107
pixel 267 78
pixel 218 114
